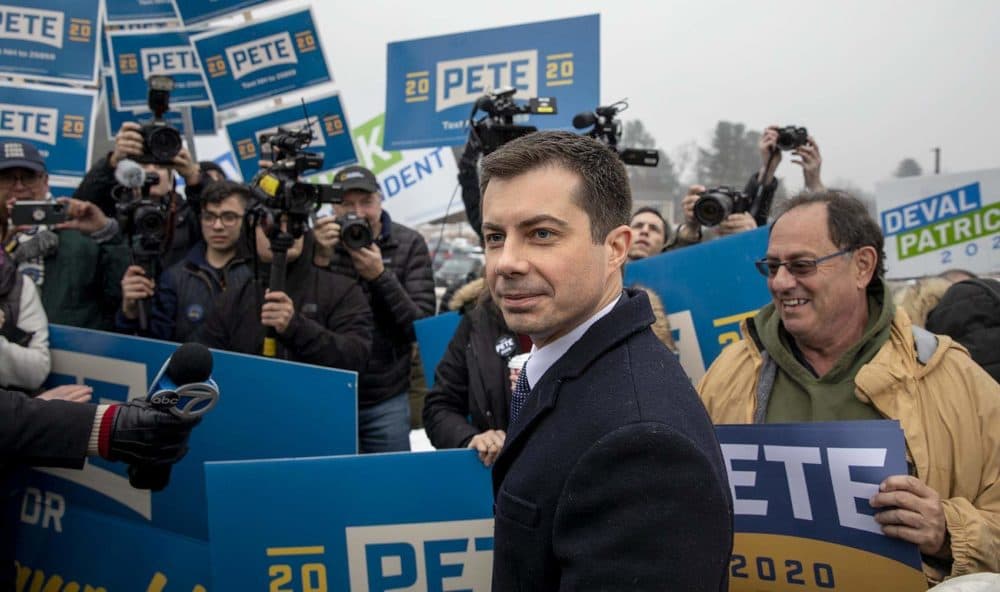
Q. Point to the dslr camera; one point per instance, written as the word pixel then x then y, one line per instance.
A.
pixel 497 127
pixel 715 204
pixel 160 141
pixel 791 137
pixel 607 129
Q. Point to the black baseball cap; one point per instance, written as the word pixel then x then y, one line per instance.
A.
pixel 21 155
pixel 355 178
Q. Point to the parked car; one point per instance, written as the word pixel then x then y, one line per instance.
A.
pixel 457 271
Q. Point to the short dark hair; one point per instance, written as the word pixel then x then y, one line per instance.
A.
pixel 217 191
pixel 848 222
pixel 604 190
pixel 650 210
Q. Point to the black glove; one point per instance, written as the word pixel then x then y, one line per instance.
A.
pixel 137 433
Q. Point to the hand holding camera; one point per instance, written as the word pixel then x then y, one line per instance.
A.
pixel 810 160
pixel 136 286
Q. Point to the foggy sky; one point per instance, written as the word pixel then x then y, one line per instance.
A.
pixel 874 81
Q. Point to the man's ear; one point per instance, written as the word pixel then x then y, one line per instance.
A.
pixel 865 260
pixel 618 242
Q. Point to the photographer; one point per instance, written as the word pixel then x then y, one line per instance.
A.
pixel 801 145
pixel 321 319
pixel 186 292
pixel 76 264
pixel 395 273
pixel 97 187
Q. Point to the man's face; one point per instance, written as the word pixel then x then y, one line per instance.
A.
pixel 264 247
pixel 166 183
pixel 647 228
pixel 23 184
pixel 221 223
pixel 542 267
pixel 366 205
pixel 817 308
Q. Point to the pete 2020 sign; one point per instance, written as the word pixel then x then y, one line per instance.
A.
pixel 331 138
pixel 158 541
pixel 423 521
pixel 262 59
pixel 432 83
pixel 57 120
pixel 50 40
pixel 137 55
pixel 935 223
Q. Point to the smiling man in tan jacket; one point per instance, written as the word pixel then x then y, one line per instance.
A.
pixel 831 346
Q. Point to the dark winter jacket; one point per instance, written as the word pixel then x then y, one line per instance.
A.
pixel 81 286
pixel 185 294
pixel 969 313
pixel 471 392
pixel 332 325
pixel 97 185
pixel 403 294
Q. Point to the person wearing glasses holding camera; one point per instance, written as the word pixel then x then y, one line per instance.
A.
pixel 831 346
pixel 69 248
pixel 130 144
pixel 186 292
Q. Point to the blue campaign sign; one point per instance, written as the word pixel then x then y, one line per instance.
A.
pixel 199 11
pixel 262 59
pixel 137 55
pixel 50 40
pixel 202 117
pixel 433 335
pixel 411 521
pixel 707 289
pixel 51 117
pixel 331 134
pixel 802 517
pixel 267 409
pixel 433 83
pixel 120 12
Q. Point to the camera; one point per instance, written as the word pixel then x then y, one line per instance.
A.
pixel 160 141
pixel 281 193
pixel 141 218
pixel 355 232
pixel 607 129
pixel 716 204
pixel 791 137
pixel 34 213
pixel 497 127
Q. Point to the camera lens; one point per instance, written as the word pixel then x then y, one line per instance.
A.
pixel 355 232
pixel 149 221
pixel 163 143
pixel 712 208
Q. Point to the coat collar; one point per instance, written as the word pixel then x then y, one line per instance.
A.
pixel 631 315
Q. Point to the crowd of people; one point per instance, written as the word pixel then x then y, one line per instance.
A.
pixel 834 344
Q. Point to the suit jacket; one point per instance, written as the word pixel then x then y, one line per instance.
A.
pixel 612 478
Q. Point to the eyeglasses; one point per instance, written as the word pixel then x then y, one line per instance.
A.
pixel 228 218
pixel 797 267
pixel 26 177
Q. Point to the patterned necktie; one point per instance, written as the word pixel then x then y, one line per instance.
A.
pixel 519 395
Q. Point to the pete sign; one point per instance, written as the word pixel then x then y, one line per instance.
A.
pixel 434 82
pixel 50 40
pixel 137 55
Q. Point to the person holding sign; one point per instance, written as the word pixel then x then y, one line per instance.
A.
pixel 831 346
pixel 611 477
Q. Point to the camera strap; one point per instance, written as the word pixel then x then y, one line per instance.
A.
pixel 29 250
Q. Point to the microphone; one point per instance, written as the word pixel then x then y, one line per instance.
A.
pixel 183 387
pixel 582 120
pixel 130 174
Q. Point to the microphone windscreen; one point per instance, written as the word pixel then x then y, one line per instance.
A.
pixel 130 173
pixel 585 119
pixel 192 362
